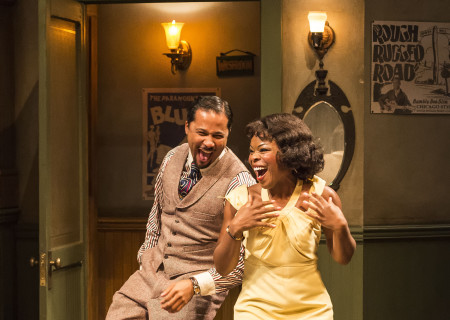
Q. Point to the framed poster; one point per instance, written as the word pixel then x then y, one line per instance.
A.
pixel 164 118
pixel 410 67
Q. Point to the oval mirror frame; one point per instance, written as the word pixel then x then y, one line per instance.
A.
pixel 337 99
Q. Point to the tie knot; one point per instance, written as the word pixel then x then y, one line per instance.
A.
pixel 195 171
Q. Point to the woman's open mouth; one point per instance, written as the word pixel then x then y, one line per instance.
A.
pixel 260 172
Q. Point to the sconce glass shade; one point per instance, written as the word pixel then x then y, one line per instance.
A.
pixel 173 31
pixel 317 21
pixel 321 35
pixel 180 51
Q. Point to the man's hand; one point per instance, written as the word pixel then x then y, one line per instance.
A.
pixel 177 295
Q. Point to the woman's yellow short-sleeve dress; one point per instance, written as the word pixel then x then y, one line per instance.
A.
pixel 281 280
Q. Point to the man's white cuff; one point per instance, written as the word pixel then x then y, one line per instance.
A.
pixel 206 283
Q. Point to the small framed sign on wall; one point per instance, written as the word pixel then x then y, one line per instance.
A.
pixel 163 118
pixel 235 65
pixel 410 67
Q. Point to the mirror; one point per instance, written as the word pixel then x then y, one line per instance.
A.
pixel 326 126
pixel 330 118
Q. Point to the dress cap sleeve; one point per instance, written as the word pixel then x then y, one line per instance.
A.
pixel 238 196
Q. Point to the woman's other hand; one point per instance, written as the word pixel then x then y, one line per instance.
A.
pixel 326 211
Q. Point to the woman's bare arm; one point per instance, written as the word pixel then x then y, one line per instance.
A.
pixel 328 211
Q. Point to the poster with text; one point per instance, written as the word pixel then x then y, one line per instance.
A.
pixel 410 67
pixel 164 118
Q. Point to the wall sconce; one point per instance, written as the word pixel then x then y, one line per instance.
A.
pixel 180 51
pixel 321 35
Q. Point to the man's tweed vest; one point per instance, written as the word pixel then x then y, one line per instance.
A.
pixel 190 227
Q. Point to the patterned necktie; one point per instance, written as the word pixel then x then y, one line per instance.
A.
pixel 187 183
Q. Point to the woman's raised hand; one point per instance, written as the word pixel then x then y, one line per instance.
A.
pixel 326 211
pixel 254 214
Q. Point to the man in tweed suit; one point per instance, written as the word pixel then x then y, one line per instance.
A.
pixel 177 279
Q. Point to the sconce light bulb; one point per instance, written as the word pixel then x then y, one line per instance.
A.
pixel 317 21
pixel 173 31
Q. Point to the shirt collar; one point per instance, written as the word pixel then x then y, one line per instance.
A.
pixel 190 158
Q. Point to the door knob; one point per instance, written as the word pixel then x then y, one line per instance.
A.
pixel 55 263
pixel 33 262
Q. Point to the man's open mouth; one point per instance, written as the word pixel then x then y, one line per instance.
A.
pixel 204 155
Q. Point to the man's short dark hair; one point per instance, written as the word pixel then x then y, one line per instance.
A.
pixel 210 103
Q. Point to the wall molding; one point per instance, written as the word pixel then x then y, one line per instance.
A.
pixel 9 215
pixel 386 232
pixel 121 224
pixel 8 189
pixel 360 234
pixel 27 231
pixel 356 231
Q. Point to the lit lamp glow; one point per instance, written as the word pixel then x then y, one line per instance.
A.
pixel 173 32
pixel 180 51
pixel 321 36
pixel 317 21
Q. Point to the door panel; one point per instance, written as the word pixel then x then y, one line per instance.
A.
pixel 64 134
pixel 62 160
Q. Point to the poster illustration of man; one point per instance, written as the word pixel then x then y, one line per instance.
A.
pixel 395 100
pixel 410 67
pixel 164 116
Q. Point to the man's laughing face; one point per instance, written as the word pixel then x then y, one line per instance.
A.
pixel 207 136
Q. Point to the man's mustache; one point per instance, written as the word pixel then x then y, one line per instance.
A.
pixel 204 149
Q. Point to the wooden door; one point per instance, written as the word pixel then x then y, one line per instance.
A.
pixel 62 160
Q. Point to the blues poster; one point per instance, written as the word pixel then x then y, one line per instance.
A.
pixel 410 67
pixel 164 118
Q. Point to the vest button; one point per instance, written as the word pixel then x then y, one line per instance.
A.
pixel 177 221
pixel 174 233
pixel 166 256
pixel 169 244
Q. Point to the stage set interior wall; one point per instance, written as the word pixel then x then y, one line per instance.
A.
pixel 394 193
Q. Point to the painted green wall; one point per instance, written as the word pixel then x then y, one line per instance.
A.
pixel 405 156
pixel 406 279
pixel 345 64
pixel 343 283
pixel 404 184
pixel 271 57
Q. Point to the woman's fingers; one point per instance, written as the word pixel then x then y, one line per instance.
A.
pixel 318 199
pixel 314 216
pixel 268 216
pixel 311 205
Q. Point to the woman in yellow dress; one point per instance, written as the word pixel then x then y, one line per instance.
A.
pixel 279 221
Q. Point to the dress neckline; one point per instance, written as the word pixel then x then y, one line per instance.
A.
pixel 292 200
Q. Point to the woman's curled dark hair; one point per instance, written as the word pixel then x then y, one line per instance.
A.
pixel 298 150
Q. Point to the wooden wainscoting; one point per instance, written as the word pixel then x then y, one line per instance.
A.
pixel 118 242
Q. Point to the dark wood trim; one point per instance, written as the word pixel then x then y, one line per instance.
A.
pixel 121 224
pixel 356 231
pixel 27 231
pixel 7 2
pixel 9 186
pixel 8 216
pixel 398 232
pixel 385 232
